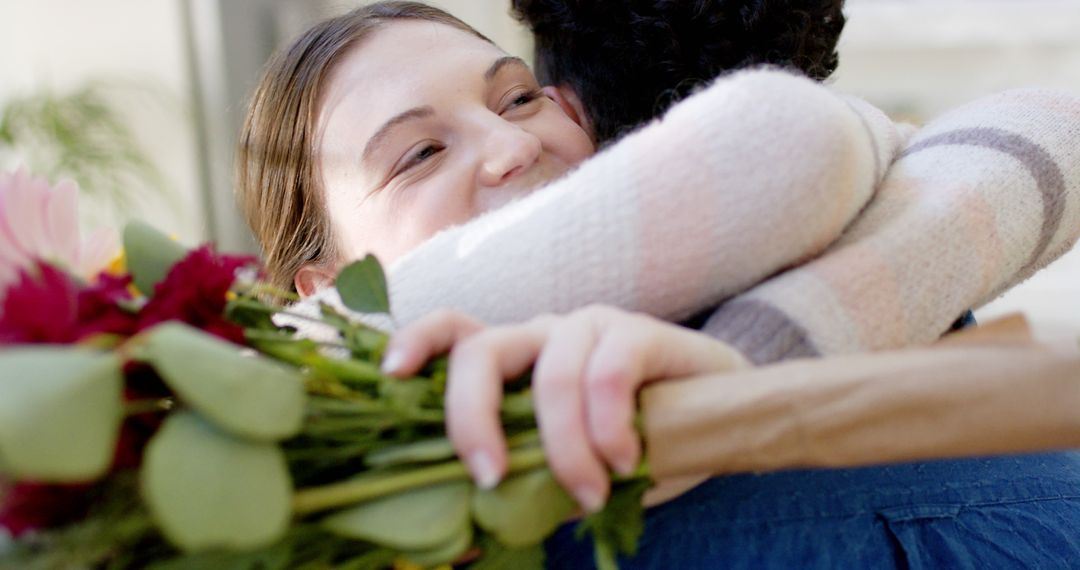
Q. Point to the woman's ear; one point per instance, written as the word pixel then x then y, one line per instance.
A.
pixel 566 98
pixel 311 278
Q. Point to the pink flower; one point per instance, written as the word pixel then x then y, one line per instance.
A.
pixel 39 222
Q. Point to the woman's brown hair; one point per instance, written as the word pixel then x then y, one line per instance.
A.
pixel 278 184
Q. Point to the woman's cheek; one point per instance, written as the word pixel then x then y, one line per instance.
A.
pixel 566 139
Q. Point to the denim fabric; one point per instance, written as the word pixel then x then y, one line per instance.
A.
pixel 966 320
pixel 1000 512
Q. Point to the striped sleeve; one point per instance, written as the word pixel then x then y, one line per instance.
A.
pixel 978 201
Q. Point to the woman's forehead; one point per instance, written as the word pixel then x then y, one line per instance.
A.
pixel 402 65
pixel 413 52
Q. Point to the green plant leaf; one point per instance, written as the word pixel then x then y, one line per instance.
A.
pixel 422 519
pixel 150 255
pixel 424 451
pixel 497 556
pixel 208 490
pixel 362 286
pixel 60 412
pixel 275 557
pixel 523 510
pixel 444 553
pixel 618 526
pixel 245 394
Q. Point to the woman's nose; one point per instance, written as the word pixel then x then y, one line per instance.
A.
pixel 508 152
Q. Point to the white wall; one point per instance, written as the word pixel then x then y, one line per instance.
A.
pixel 59 44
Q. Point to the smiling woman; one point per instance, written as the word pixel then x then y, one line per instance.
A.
pixel 446 138
pixel 322 172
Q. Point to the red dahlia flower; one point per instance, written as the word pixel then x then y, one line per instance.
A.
pixel 195 292
pixel 46 305
pixel 32 506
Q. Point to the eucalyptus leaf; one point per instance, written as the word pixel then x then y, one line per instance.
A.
pixel 60 412
pixel 274 558
pixel 523 510
pixel 444 553
pixel 421 519
pixel 497 556
pixel 208 490
pixel 425 451
pixel 617 528
pixel 245 394
pixel 150 255
pixel 362 286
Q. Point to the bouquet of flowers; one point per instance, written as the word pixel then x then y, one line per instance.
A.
pixel 154 414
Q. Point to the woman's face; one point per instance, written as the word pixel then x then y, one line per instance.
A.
pixel 424 126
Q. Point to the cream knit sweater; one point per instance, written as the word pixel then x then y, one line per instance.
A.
pixel 979 200
pixel 759 173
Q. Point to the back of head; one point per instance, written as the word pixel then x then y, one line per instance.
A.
pixel 629 60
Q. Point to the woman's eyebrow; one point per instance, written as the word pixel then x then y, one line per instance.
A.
pixel 501 63
pixel 384 131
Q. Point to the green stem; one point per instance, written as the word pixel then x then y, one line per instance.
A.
pixel 258 306
pixel 345 493
pixel 261 288
pixel 137 407
pixel 277 337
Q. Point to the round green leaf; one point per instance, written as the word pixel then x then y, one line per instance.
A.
pixel 241 392
pixel 445 553
pixel 60 412
pixel 149 254
pixel 207 489
pixel 362 286
pixel 422 519
pixel 523 510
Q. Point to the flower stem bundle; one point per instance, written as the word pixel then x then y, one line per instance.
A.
pixel 195 430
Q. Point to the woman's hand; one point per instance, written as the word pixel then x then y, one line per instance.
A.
pixel 588 367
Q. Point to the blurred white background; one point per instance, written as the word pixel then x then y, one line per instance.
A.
pixel 183 69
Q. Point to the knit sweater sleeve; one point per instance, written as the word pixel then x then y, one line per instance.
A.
pixel 979 200
pixel 759 171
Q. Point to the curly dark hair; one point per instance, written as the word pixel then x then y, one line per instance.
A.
pixel 629 60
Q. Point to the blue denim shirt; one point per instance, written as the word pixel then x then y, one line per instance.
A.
pixel 987 513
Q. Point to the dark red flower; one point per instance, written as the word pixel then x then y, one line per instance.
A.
pixel 41 307
pixel 195 292
pixel 141 384
pixel 46 305
pixel 101 307
pixel 31 506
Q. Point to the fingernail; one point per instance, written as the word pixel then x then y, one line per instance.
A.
pixel 589 499
pixel 483 469
pixel 392 360
pixel 625 467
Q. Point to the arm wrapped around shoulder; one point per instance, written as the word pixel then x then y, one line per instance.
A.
pixel 978 201
pixel 757 172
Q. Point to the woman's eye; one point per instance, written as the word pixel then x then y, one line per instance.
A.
pixel 524 99
pixel 426 152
